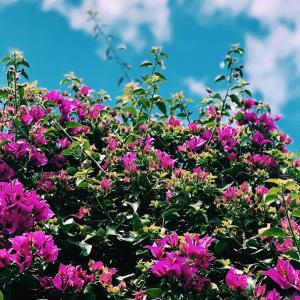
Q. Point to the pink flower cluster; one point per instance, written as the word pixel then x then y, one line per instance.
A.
pixel 20 209
pixel 285 275
pixel 128 161
pixel 69 106
pixel 6 172
pixel 166 162
pixel 32 246
pixel 236 280
pixel 260 293
pixel 75 278
pixel 226 137
pixel 182 258
pixel 287 243
pixel 33 114
pixel 20 149
pixel 27 248
pixel 263 160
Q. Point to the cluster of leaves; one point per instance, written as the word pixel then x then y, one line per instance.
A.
pixel 142 201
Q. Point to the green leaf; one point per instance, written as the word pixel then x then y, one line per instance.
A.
pixel 86 248
pixel 171 212
pixel 249 93
pixel 88 293
pixel 271 197
pixel 220 78
pixel 234 98
pixel 3 94
pixel 161 106
pixel 277 181
pixel 154 292
pixel 72 124
pixel 1 295
pixel 221 245
pixel 239 116
pixel 275 231
pixel 296 213
pixel 146 63
pixel 5 59
pixel 161 76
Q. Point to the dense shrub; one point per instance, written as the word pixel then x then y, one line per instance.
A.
pixel 139 198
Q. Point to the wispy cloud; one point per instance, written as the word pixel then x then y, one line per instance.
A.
pixel 273 59
pixel 195 86
pixel 128 18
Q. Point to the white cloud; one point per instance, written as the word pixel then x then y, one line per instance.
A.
pixel 195 86
pixel 7 2
pixel 272 60
pixel 128 18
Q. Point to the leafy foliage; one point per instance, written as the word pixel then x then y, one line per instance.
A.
pixel 138 200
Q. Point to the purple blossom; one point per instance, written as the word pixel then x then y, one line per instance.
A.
pixel 236 280
pixel 128 161
pixel 273 295
pixel 64 143
pixel 286 245
pixel 226 137
pixel 95 110
pixel 5 258
pixel 263 160
pixel 182 259
pixel 19 148
pixel 259 139
pixel 249 117
pixel 268 122
pixel 285 275
pixel 195 143
pixel 37 157
pixel 174 122
pixel 249 103
pixel 19 209
pixel 85 90
pixel 193 126
pixel 68 277
pixel 105 184
pixel 166 162
pixel 6 172
pixel 26 247
pixel 112 143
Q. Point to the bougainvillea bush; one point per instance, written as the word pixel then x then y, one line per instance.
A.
pixel 139 197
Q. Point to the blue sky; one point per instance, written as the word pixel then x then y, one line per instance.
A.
pixel 56 38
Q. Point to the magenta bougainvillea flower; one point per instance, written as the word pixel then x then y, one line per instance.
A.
pixel 68 277
pixel 174 122
pixel 74 278
pixel 128 161
pixel 182 259
pixel 25 248
pixel 6 172
pixel 19 148
pixel 284 275
pixel 5 258
pixel 166 162
pixel 284 246
pixel 195 143
pixel 226 137
pixel 105 184
pixel 236 280
pixel 263 160
pixel 273 295
pixel 19 209
pixel 259 139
